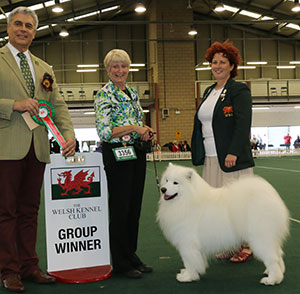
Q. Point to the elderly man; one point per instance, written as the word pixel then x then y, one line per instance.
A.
pixel 24 149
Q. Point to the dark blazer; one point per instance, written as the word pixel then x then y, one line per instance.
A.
pixel 231 126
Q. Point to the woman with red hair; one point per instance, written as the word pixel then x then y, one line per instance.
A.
pixel 222 126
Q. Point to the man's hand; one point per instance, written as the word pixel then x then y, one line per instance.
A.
pixel 69 148
pixel 28 104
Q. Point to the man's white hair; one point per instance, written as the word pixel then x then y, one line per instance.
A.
pixel 24 10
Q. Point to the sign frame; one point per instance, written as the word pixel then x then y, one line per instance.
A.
pixel 76 212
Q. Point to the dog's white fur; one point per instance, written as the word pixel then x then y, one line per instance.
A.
pixel 202 221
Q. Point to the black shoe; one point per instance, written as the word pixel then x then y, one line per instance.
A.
pixel 133 274
pixel 143 268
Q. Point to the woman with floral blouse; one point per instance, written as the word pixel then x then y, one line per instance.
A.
pixel 119 124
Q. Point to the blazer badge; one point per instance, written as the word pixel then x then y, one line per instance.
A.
pixel 47 82
pixel 228 111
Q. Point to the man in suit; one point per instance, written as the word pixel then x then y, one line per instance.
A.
pixel 24 151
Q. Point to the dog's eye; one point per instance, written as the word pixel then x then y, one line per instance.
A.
pixel 175 183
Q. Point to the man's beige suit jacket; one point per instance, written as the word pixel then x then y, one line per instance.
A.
pixel 15 135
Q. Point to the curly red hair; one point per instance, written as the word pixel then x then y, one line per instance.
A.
pixel 229 51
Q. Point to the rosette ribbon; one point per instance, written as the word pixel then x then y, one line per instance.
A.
pixel 45 117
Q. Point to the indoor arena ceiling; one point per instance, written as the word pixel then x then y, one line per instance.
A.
pixel 266 18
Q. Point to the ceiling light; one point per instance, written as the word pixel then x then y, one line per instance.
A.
pixel 57 8
pixel 296 7
pixel 293 26
pixel 140 8
pixel 43 28
pixel 64 33
pixel 295 62
pixel 52 2
pixel 285 66
pixel 36 7
pixel 220 7
pixel 110 8
pixel 192 31
pixel 267 18
pixel 86 70
pixel 87 65
pixel 137 64
pixel 231 9
pixel 257 62
pixel 246 67
pixel 203 68
pixel 250 14
pixel 84 15
pixel 297 107
pixel 134 69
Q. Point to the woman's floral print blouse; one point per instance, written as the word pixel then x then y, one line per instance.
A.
pixel 113 108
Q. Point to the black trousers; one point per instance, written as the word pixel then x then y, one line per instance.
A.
pixel 125 187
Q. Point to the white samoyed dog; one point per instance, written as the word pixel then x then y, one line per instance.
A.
pixel 200 221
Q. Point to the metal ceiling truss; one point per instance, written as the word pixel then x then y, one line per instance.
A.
pixel 280 19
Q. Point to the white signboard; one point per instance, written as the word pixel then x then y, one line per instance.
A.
pixel 76 212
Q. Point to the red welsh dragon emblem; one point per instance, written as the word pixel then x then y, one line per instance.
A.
pixel 228 111
pixel 77 184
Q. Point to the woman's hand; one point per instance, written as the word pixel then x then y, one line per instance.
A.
pixel 146 133
pixel 230 160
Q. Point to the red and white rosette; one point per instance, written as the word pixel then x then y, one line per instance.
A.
pixel 45 117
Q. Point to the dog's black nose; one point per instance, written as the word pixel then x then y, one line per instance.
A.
pixel 163 190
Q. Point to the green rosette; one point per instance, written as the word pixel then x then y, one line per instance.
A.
pixel 45 109
pixel 45 117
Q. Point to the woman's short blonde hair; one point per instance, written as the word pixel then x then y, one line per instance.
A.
pixel 116 55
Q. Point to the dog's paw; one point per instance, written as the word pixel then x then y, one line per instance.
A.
pixel 266 281
pixel 185 276
pixel 269 282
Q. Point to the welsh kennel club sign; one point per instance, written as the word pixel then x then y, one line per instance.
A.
pixel 77 218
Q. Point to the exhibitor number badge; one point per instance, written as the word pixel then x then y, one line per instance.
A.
pixel 124 153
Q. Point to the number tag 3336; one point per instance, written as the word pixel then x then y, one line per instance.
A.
pixel 124 153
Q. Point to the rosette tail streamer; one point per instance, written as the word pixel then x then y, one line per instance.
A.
pixel 45 117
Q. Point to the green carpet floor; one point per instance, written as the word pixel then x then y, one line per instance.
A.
pixel 222 276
